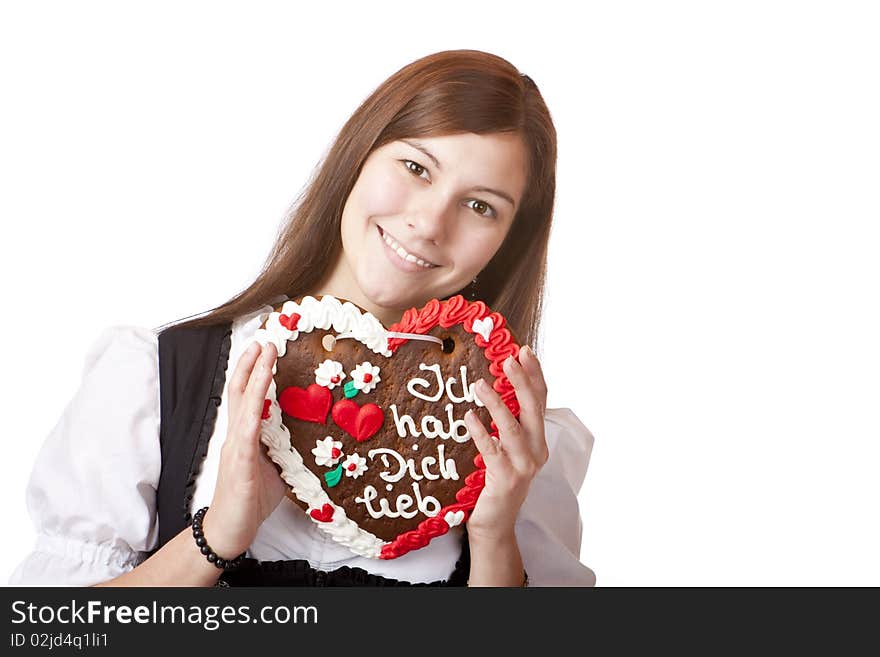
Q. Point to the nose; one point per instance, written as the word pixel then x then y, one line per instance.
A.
pixel 429 223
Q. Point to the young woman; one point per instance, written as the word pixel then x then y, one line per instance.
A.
pixel 442 182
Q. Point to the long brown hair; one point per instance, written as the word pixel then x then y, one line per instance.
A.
pixel 443 93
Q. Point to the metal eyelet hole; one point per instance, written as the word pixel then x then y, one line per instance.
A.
pixel 448 345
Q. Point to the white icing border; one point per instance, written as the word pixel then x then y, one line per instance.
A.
pixel 364 327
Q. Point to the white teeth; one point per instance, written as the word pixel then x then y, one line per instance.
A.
pixel 403 253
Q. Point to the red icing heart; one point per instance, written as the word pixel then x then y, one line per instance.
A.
pixel 289 322
pixel 324 514
pixel 360 422
pixel 311 404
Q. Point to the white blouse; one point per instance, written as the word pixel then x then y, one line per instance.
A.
pixel 92 492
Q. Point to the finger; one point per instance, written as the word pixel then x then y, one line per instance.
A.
pixel 532 367
pixel 501 415
pixel 258 384
pixel 510 431
pixel 243 442
pixel 261 377
pixel 487 445
pixel 531 414
pixel 239 379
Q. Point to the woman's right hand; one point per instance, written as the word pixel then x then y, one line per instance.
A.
pixel 248 484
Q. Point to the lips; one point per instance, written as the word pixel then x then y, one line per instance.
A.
pixel 401 256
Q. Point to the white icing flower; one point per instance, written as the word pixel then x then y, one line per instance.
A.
pixel 365 376
pixel 327 451
pixel 354 465
pixel 329 374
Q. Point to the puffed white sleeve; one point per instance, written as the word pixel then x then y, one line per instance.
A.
pixel 548 528
pixel 92 491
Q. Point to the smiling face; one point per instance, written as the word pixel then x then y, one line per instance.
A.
pixel 424 217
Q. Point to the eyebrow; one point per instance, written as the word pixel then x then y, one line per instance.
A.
pixel 488 190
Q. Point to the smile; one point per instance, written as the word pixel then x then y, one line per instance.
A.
pixel 401 256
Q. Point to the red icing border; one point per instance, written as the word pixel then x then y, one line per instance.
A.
pixel 456 310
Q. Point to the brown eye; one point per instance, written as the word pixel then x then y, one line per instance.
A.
pixel 416 168
pixel 482 208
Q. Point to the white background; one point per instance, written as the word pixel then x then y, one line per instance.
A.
pixel 714 261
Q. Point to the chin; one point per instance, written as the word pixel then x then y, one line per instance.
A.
pixel 381 294
pixel 390 291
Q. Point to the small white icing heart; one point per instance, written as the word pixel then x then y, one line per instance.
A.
pixel 484 327
pixel 454 518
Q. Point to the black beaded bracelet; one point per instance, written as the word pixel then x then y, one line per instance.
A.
pixel 199 535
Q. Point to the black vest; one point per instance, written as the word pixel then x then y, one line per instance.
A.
pixel 192 373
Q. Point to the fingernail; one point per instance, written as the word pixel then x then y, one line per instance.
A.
pixel 527 350
pixel 254 346
pixel 507 362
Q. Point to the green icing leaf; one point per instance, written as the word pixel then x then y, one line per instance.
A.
pixel 349 390
pixel 334 476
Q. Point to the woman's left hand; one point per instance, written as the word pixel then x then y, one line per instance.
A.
pixel 514 460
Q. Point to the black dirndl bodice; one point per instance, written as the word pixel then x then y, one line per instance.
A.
pixel 192 373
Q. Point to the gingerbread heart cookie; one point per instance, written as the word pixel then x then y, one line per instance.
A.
pixel 366 424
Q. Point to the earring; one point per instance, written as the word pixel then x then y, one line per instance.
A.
pixel 472 290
